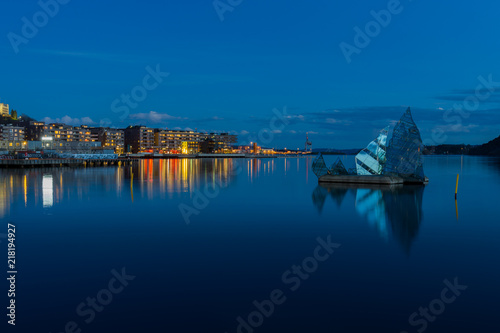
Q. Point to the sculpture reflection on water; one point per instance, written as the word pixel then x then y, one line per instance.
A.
pixel 394 211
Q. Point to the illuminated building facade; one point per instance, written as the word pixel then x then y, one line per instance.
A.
pixel 34 131
pixel 11 133
pixel 172 141
pixel 191 142
pixel 4 109
pixel 139 139
pixel 67 133
pixel 254 148
pixel 222 141
pixel 193 147
pixel 13 145
pixel 111 138
pixel 72 147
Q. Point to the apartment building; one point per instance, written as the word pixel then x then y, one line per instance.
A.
pixel 217 142
pixel 34 131
pixel 4 109
pixel 177 141
pixel 11 133
pixel 111 138
pixel 139 139
pixel 68 133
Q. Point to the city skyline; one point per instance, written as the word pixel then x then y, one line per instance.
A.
pixel 231 74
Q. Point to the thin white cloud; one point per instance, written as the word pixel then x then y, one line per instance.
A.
pixel 154 117
pixel 337 121
pixel 70 121
pixel 332 121
pixel 91 55
pixel 295 116
pixel 457 128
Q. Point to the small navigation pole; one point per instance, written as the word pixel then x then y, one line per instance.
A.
pixel 308 145
pixel 456 188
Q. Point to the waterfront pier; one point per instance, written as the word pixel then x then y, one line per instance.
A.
pixel 63 162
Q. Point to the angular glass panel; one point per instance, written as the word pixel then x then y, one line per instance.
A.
pixel 404 154
pixel 319 166
pixel 371 160
pixel 338 168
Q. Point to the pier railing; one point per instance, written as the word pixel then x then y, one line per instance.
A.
pixel 63 162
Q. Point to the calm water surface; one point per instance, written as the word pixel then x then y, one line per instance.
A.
pixel 206 238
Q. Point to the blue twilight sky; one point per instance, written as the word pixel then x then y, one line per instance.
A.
pixel 230 74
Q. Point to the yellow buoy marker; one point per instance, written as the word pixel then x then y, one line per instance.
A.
pixel 456 187
pixel 132 185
